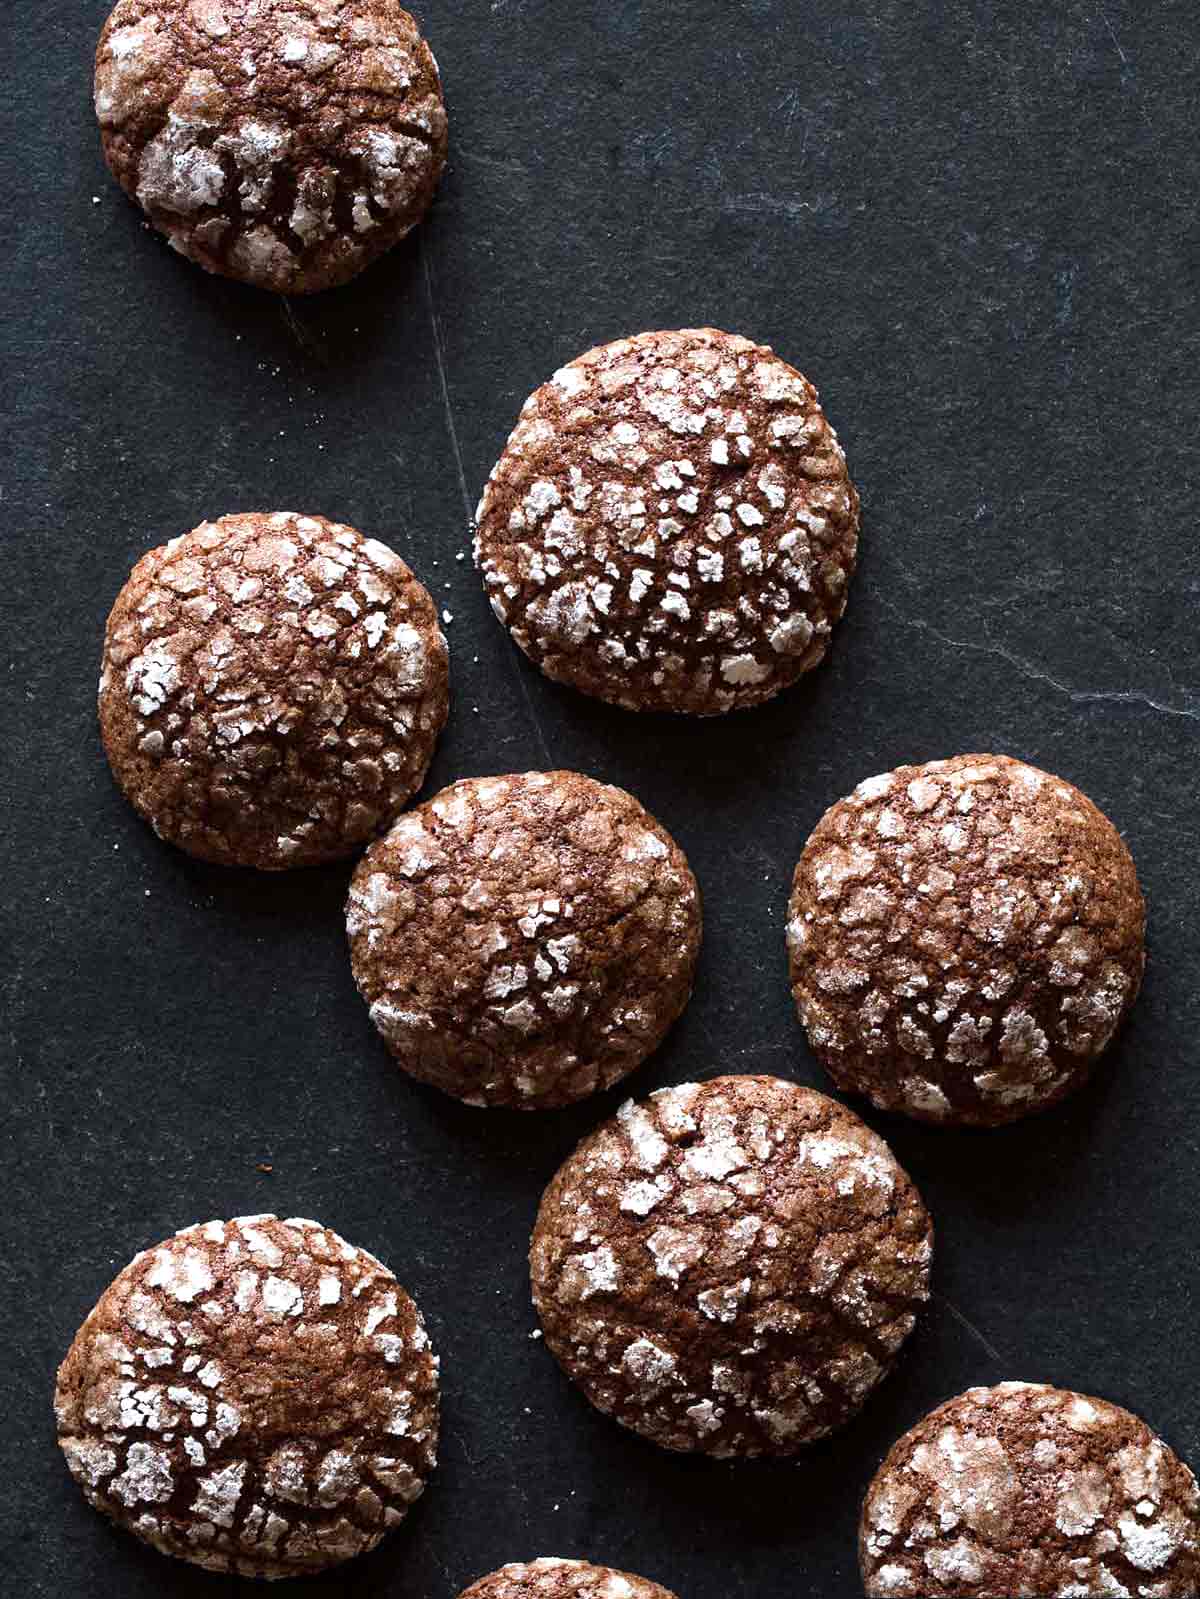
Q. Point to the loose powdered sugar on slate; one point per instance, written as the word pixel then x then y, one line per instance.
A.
pixel 284 142
pixel 552 1578
pixel 1023 1489
pixel 524 940
pixel 965 937
pixel 730 1266
pixel 671 525
pixel 273 688
pixel 255 1396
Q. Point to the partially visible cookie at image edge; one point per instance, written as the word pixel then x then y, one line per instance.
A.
pixel 1025 1489
pixel 286 145
pixel 671 525
pixel 553 1578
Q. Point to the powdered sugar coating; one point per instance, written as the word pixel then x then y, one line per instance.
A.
pixel 272 689
pixel 524 940
pixel 553 1578
pixel 1024 1489
pixel 284 142
pixel 964 938
pixel 730 1267
pixel 255 1396
pixel 671 525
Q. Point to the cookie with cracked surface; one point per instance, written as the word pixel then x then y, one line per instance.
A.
pixel 671 526
pixel 1024 1489
pixel 730 1267
pixel 964 939
pixel 552 1578
pixel 272 690
pixel 525 940
pixel 255 1396
pixel 287 143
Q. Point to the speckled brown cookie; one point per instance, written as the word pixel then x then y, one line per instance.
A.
pixel 255 1396
pixel 551 1578
pixel 273 687
pixel 965 938
pixel 524 940
pixel 671 526
pixel 1027 1490
pixel 284 142
pixel 730 1266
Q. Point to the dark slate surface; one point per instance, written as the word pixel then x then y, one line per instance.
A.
pixel 974 227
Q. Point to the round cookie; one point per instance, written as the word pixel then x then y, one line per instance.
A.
pixel 551 1578
pixel 288 145
pixel 964 939
pixel 273 687
pixel 671 526
pixel 255 1396
pixel 1024 1489
pixel 731 1266
pixel 525 940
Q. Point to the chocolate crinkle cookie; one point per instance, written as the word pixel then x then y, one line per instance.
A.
pixel 524 940
pixel 272 691
pixel 287 143
pixel 731 1266
pixel 671 526
pixel 1028 1492
pixel 255 1396
pixel 965 938
pixel 550 1578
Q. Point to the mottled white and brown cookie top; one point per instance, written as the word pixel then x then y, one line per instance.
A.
pixel 256 1396
pixel 671 526
pixel 1023 1489
pixel 551 1578
pixel 965 937
pixel 730 1266
pixel 273 687
pixel 284 142
pixel 524 940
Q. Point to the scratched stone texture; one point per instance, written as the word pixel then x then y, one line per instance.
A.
pixel 974 228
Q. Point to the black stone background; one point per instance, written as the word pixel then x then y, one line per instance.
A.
pixel 974 226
